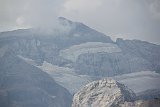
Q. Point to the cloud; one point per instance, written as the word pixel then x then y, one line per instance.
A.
pixel 131 19
pixel 138 19
pixel 155 8
pixel 82 5
pixel 29 13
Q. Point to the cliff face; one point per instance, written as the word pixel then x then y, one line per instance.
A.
pixel 102 93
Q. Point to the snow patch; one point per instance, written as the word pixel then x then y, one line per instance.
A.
pixel 140 81
pixel 62 75
pixel 28 60
pixel 65 76
pixel 73 52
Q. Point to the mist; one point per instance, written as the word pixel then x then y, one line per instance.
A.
pixel 131 19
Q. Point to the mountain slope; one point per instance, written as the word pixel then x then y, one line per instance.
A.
pixel 140 81
pixel 23 85
pixel 145 50
pixel 62 75
pixel 72 55
pixel 86 50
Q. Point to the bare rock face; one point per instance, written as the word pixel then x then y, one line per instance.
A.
pixel 102 93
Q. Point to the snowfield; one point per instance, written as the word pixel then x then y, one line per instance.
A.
pixel 140 81
pixel 65 77
pixel 62 75
pixel 73 52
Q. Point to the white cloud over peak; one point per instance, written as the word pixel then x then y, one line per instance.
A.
pixel 138 18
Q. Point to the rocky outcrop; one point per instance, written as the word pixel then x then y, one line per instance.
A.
pixel 102 93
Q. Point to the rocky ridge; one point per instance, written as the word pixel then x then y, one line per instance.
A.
pixel 103 93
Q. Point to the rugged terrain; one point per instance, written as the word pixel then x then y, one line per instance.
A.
pixel 53 66
pixel 109 93
pixel 102 93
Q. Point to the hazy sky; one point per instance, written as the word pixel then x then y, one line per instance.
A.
pixel 132 19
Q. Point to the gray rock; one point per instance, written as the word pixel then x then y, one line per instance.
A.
pixel 103 93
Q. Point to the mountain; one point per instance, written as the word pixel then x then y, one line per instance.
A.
pixel 103 93
pixel 142 49
pixel 131 56
pixel 86 50
pixel 70 56
pixel 23 85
